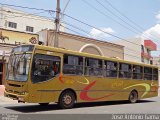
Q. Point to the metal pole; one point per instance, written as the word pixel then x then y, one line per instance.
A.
pixel 57 20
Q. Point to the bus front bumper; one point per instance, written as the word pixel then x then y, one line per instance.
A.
pixel 20 98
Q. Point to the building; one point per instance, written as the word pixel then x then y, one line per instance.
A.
pixel 138 50
pixel 82 44
pixel 16 20
pixel 156 61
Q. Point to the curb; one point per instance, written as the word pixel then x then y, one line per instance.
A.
pixel 2 88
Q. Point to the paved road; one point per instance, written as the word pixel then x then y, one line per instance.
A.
pixel 151 105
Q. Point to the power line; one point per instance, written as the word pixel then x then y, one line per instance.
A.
pixel 28 16
pixel 71 18
pixel 131 21
pixel 108 16
pixel 115 15
pixel 123 15
pixel 88 34
pixel 102 46
pixel 126 27
pixel 70 29
pixel 24 7
pixel 99 29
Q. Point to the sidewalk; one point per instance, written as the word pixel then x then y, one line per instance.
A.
pixel 5 100
pixel 2 88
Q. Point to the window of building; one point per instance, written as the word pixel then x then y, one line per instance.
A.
pixel 137 72
pixel 45 67
pixel 155 74
pixel 147 73
pixel 148 51
pixel 142 59
pixel 29 29
pixel 125 70
pixel 110 69
pixel 73 65
pixel 93 67
pixel 12 25
pixel 142 48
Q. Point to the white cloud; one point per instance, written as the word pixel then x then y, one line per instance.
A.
pixel 152 33
pixel 94 33
pixel 158 16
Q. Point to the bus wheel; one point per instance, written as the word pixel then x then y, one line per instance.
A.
pixel 43 104
pixel 67 99
pixel 133 97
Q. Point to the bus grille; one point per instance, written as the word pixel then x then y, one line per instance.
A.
pixel 12 96
pixel 14 85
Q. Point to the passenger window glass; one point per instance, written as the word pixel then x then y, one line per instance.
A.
pixel 45 67
pixel 137 72
pixel 155 74
pixel 73 65
pixel 93 67
pixel 147 73
pixel 125 70
pixel 110 69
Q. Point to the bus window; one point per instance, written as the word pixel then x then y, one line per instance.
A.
pixel 147 73
pixel 125 70
pixel 73 65
pixel 137 72
pixel 45 67
pixel 155 74
pixel 110 69
pixel 93 67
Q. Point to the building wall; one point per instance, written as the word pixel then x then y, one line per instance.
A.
pixel 83 44
pixel 17 37
pixel 132 49
pixel 24 19
pixel 156 61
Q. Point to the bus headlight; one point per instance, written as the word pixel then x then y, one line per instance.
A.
pixel 20 99
pixel 23 93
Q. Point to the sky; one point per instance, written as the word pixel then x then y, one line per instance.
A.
pixel 122 18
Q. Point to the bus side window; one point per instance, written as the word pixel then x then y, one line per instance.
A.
pixel 125 70
pixel 155 73
pixel 137 72
pixel 147 73
pixel 93 67
pixel 110 69
pixel 45 67
pixel 73 65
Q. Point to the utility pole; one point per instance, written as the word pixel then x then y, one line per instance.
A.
pixel 57 22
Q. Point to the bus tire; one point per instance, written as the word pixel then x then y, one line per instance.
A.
pixel 43 104
pixel 67 99
pixel 133 96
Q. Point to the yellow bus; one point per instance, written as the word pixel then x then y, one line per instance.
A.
pixel 42 74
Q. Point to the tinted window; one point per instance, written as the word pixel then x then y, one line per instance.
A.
pixel 45 67
pixel 93 67
pixel 155 74
pixel 137 72
pixel 110 69
pixel 125 70
pixel 147 73
pixel 73 65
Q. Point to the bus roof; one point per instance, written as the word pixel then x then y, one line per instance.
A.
pixel 66 51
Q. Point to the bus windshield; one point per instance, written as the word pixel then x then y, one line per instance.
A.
pixel 18 67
